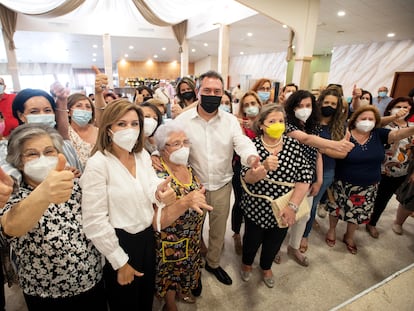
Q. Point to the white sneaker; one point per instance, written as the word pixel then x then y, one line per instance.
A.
pixel 322 210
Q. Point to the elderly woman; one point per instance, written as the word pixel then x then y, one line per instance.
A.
pixel 58 266
pixel 119 190
pixel 358 174
pixel 82 131
pixel 282 161
pixel 178 245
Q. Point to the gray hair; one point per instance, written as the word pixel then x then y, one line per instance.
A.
pixel 25 132
pixel 165 130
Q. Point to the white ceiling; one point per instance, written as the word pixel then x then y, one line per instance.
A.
pixel 366 21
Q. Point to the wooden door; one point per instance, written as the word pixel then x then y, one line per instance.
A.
pixel 402 84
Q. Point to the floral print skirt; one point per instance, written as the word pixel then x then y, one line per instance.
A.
pixel 352 203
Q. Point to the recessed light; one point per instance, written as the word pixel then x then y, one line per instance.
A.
pixel 284 26
pixel 93 54
pixel 95 46
pixel 94 59
pixel 193 50
pixel 332 50
pixel 341 13
pixel 155 56
pixel 131 47
pixel 241 53
pixel 293 46
pixel 206 44
pixel 249 34
pixel 390 35
pixel 126 55
pixel 163 48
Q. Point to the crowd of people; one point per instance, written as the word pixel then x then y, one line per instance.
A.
pixel 103 200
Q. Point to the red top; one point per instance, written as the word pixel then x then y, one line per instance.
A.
pixel 11 122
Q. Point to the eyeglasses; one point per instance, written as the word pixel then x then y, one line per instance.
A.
pixel 33 154
pixel 179 144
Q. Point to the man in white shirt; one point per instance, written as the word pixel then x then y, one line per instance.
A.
pixel 214 135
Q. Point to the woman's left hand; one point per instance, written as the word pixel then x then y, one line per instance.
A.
pixel 314 189
pixel 164 192
pixel 288 216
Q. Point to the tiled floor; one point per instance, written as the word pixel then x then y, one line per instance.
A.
pixel 334 275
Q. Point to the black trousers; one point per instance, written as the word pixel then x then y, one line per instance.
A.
pixel 386 188
pixel 269 239
pixel 94 297
pixel 138 295
pixel 236 211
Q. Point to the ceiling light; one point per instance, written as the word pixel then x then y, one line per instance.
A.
pixel 155 56
pixel 131 47
pixel 249 34
pixel 284 26
pixel 163 48
pixel 95 46
pixel 332 50
pixel 193 50
pixel 126 55
pixel 390 35
pixel 123 62
pixel 94 59
pixel 93 54
pixel 341 13
pixel 149 62
pixel 206 44
pixel 241 53
pixel 293 46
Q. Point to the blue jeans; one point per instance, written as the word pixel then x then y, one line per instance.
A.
pixel 328 177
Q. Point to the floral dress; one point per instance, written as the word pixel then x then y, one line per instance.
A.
pixel 178 245
pixel 83 148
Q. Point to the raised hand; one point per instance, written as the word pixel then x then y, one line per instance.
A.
pixel 6 187
pixel 59 182
pixel 344 145
pixel 101 80
pixel 60 91
pixel 164 192
pixel 271 163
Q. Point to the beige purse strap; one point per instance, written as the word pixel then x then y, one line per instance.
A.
pixel 281 183
pixel 252 194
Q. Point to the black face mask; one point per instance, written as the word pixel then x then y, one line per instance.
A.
pixel 147 98
pixel 210 103
pixel 328 111
pixel 188 95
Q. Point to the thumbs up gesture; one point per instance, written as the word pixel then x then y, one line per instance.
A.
pixel 164 192
pixel 271 163
pixel 6 187
pixel 58 184
pixel 344 145
pixel 101 80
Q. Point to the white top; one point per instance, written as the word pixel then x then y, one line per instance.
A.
pixel 113 198
pixel 212 146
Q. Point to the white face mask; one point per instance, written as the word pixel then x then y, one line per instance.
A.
pixel 126 139
pixel 303 114
pixel 149 126
pixel 38 169
pixel 180 156
pixel 365 125
pixel 363 102
pixel 287 95
pixel 46 119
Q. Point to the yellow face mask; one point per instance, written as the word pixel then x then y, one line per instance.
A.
pixel 275 130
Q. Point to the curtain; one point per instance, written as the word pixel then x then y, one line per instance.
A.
pixel 289 54
pixel 63 9
pixel 180 30
pixel 8 21
pixel 148 14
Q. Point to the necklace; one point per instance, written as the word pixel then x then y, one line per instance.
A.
pixel 271 146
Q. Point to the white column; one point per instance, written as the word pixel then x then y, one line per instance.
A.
pixel 12 67
pixel 184 59
pixel 107 50
pixel 223 53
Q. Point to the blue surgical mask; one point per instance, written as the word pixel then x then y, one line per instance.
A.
pixel 225 108
pixel 382 94
pixel 81 117
pixel 264 96
pixel 46 119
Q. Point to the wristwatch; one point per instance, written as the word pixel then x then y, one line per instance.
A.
pixel 293 206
